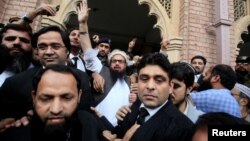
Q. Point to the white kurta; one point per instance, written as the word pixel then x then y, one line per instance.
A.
pixel 117 97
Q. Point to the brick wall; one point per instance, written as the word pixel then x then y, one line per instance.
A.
pixel 196 15
pixel 2 9
pixel 17 8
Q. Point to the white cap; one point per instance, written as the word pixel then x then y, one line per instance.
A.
pixel 117 51
pixel 244 89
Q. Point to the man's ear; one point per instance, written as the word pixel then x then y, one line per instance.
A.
pixel 80 95
pixel 171 87
pixel 189 89
pixel 215 78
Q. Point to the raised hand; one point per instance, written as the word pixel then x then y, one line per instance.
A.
pixel 83 12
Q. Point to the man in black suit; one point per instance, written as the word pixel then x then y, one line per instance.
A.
pixel 55 109
pixel 163 120
pixel 199 63
pixel 53 47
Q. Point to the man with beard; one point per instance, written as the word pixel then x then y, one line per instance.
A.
pixel 241 68
pixel 16 39
pixel 116 87
pixel 55 109
pixel 218 99
pixel 103 46
pixel 199 63
pixel 53 47
pixel 242 94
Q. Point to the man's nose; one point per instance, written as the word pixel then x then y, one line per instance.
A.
pixel 17 41
pixel 151 85
pixel 56 107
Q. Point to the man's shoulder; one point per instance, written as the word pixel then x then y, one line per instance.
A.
pixel 170 112
pixel 23 75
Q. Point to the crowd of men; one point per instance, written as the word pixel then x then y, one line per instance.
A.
pixel 55 86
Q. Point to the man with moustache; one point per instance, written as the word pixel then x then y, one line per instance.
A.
pixel 116 87
pixel 103 47
pixel 199 63
pixel 55 109
pixel 218 99
pixel 241 68
pixel 16 40
pixel 53 47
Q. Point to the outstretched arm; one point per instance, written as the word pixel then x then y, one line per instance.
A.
pixel 83 14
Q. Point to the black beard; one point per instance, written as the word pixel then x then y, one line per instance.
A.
pixel 20 62
pixel 205 85
pixel 242 72
pixel 115 74
pixel 42 132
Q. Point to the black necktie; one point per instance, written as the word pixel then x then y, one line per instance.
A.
pixel 142 114
pixel 75 61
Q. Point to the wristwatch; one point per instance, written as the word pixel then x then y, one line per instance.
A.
pixel 26 19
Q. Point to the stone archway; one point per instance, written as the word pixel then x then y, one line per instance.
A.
pixel 167 22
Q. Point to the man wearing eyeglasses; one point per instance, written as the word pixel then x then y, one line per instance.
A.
pixel 242 94
pixel 53 47
pixel 116 88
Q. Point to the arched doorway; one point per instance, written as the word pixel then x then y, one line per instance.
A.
pixel 242 36
pixel 122 20
pixel 244 45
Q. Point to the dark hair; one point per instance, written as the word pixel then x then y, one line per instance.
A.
pixel 200 57
pixel 154 59
pixel 16 27
pixel 56 68
pixel 54 28
pixel 227 75
pixel 71 29
pixel 183 72
pixel 218 118
pixel 104 40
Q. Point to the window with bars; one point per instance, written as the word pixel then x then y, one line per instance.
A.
pixel 167 4
pixel 239 9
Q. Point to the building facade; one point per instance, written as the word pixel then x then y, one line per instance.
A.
pixel 211 28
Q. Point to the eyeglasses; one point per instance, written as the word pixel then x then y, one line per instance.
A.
pixel 119 61
pixel 44 47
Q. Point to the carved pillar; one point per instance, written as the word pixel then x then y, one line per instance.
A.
pixel 167 14
pixel 174 50
pixel 222 25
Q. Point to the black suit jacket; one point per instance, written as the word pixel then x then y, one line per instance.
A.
pixel 84 128
pixel 200 79
pixel 16 99
pixel 168 124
